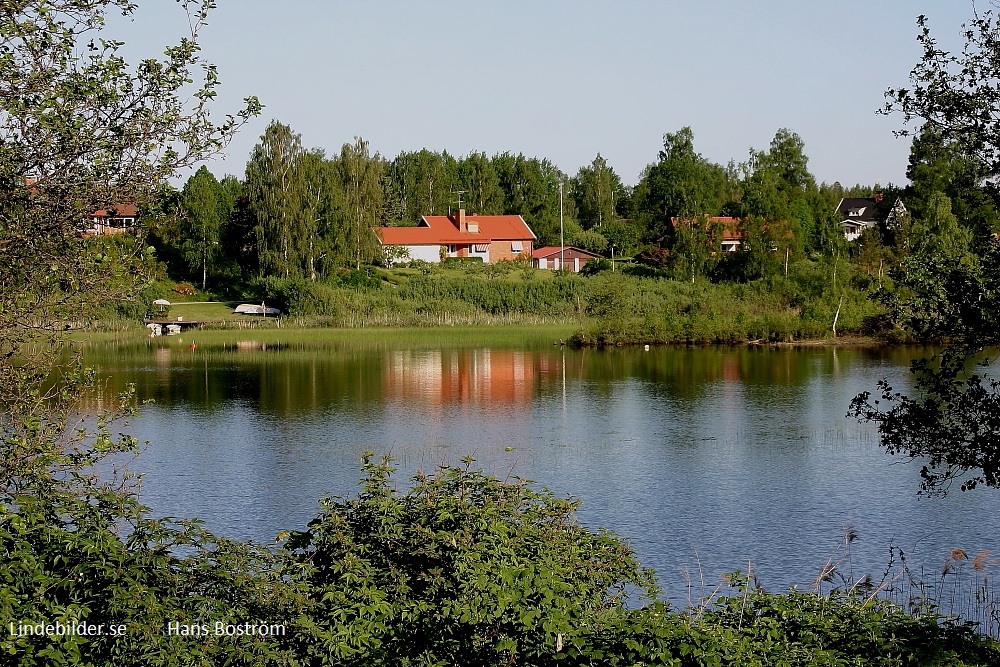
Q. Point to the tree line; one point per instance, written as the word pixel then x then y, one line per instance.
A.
pixel 460 569
pixel 299 213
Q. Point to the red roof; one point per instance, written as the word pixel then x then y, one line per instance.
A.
pixel 550 250
pixel 443 229
pixel 733 231
pixel 119 210
pixel 730 226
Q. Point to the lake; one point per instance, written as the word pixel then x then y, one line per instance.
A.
pixel 704 459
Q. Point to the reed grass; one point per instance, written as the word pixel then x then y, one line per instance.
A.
pixel 964 589
pixel 521 335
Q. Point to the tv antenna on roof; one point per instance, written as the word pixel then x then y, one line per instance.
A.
pixel 459 193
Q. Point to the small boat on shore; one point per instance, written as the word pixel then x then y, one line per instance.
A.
pixel 256 309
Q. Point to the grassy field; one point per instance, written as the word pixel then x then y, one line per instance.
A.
pixel 416 337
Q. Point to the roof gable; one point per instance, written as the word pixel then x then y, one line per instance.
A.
pixel 860 209
pixel 443 229
pixel 729 226
pixel 549 251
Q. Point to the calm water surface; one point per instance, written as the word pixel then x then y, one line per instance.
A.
pixel 703 459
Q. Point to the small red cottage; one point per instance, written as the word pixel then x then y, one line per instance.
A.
pixel 551 257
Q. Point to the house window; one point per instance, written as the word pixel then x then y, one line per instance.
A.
pixel 450 248
pixel 482 247
pixel 516 246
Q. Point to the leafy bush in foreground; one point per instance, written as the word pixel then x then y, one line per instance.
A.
pixel 461 569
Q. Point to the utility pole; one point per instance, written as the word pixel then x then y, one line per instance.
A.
pixel 204 257
pixel 562 241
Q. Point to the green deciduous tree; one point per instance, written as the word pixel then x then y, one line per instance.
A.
pixel 778 187
pixel 531 190
pixel 205 215
pixel 322 202
pixel 950 423
pixel 596 190
pixel 420 183
pixel 938 234
pixel 953 94
pixel 624 235
pixel 944 293
pixel 479 181
pixel 681 184
pixel 697 241
pixel 590 239
pixel 360 176
pixel 274 191
pixel 939 166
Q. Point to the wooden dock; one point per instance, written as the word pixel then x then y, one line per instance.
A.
pixel 181 323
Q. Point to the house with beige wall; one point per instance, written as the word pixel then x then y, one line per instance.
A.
pixel 492 238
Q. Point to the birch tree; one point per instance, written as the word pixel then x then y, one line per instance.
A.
pixel 361 179
pixel 203 200
pixel 274 191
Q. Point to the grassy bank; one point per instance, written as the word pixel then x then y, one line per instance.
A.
pixel 815 301
pixel 632 307
pixel 412 338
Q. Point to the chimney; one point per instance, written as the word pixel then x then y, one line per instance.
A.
pixel 460 217
pixel 878 197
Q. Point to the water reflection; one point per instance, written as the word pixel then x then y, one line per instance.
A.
pixel 702 457
pixel 447 377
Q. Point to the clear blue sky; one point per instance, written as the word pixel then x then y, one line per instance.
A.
pixel 566 79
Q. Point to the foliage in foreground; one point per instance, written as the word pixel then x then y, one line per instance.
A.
pixel 460 569
pixel 951 423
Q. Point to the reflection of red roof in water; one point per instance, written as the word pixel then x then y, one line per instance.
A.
pixel 462 376
pixel 731 368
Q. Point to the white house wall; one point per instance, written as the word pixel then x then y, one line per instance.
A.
pixel 427 253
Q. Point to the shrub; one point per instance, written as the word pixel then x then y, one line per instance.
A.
pixel 595 266
pixel 655 258
pixel 461 569
pixel 460 261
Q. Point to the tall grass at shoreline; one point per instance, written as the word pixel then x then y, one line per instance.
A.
pixel 416 337
pixel 605 309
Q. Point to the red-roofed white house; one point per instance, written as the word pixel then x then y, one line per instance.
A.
pixel 493 238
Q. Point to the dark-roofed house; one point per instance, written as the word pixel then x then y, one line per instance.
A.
pixel 492 238
pixel 552 257
pixel 856 215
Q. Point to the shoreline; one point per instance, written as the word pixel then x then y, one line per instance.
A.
pixel 558 334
